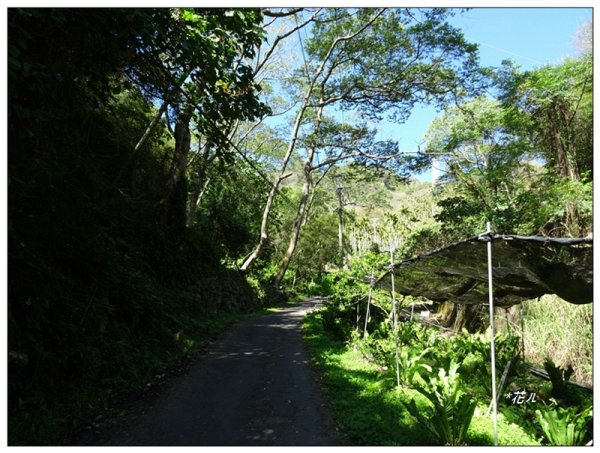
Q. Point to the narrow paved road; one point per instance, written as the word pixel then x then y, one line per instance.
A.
pixel 253 386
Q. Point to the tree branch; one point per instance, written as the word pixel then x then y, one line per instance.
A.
pixel 283 36
pixel 272 13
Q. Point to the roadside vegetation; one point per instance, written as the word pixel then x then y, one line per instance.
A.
pixel 444 391
pixel 563 334
pixel 372 410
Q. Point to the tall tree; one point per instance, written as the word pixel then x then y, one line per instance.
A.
pixel 485 165
pixel 219 87
pixel 523 163
pixel 554 103
pixel 552 107
pixel 88 161
pixel 380 61
pixel 261 70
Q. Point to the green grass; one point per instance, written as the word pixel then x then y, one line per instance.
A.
pixel 367 405
pixel 481 431
pixel 560 331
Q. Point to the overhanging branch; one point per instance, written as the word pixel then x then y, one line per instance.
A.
pixel 272 13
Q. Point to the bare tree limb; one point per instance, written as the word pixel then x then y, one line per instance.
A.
pixel 272 13
pixel 283 36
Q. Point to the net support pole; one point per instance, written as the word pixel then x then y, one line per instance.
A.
pixel 522 332
pixel 395 316
pixel 492 345
pixel 371 283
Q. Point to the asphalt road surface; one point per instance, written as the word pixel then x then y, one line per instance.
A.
pixel 253 386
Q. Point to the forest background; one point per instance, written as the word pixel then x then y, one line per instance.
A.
pixel 169 166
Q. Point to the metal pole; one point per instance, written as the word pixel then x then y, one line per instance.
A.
pixel 522 333
pixel 395 316
pixel 340 226
pixel 491 302
pixel 371 282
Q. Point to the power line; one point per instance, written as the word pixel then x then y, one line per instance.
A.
pixel 508 52
pixel 302 49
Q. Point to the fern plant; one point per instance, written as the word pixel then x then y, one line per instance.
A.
pixel 451 411
pixel 410 364
pixel 564 426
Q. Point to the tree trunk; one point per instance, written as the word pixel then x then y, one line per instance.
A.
pixel 300 215
pixel 183 141
pixel 202 181
pixel 287 258
pixel 151 126
pixel 565 164
pixel 195 201
pixel 264 226
pixel 461 316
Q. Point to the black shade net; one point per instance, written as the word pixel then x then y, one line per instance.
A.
pixel 524 267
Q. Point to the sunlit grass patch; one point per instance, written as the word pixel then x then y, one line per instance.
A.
pixel 368 406
pixel 481 431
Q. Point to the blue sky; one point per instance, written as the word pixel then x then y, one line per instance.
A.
pixel 531 37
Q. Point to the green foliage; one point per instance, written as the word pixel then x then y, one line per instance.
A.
pixel 543 208
pixel 229 206
pixel 338 320
pixel 562 332
pixel 106 286
pixel 565 426
pixel 395 36
pixel 408 224
pixel 349 289
pixel 317 247
pixel 552 107
pixel 473 352
pixel 484 162
pixel 371 410
pixel 452 409
pixel 366 409
pixel 382 351
pixel 510 433
pixel 522 162
pixel 410 364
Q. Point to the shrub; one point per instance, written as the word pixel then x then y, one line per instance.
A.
pixel 560 331
pixel 382 351
pixel 452 409
pixel 472 351
pixel 564 426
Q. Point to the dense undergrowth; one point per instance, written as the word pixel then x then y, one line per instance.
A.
pixel 372 410
pixel 73 352
pixel 111 277
pixel 423 385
